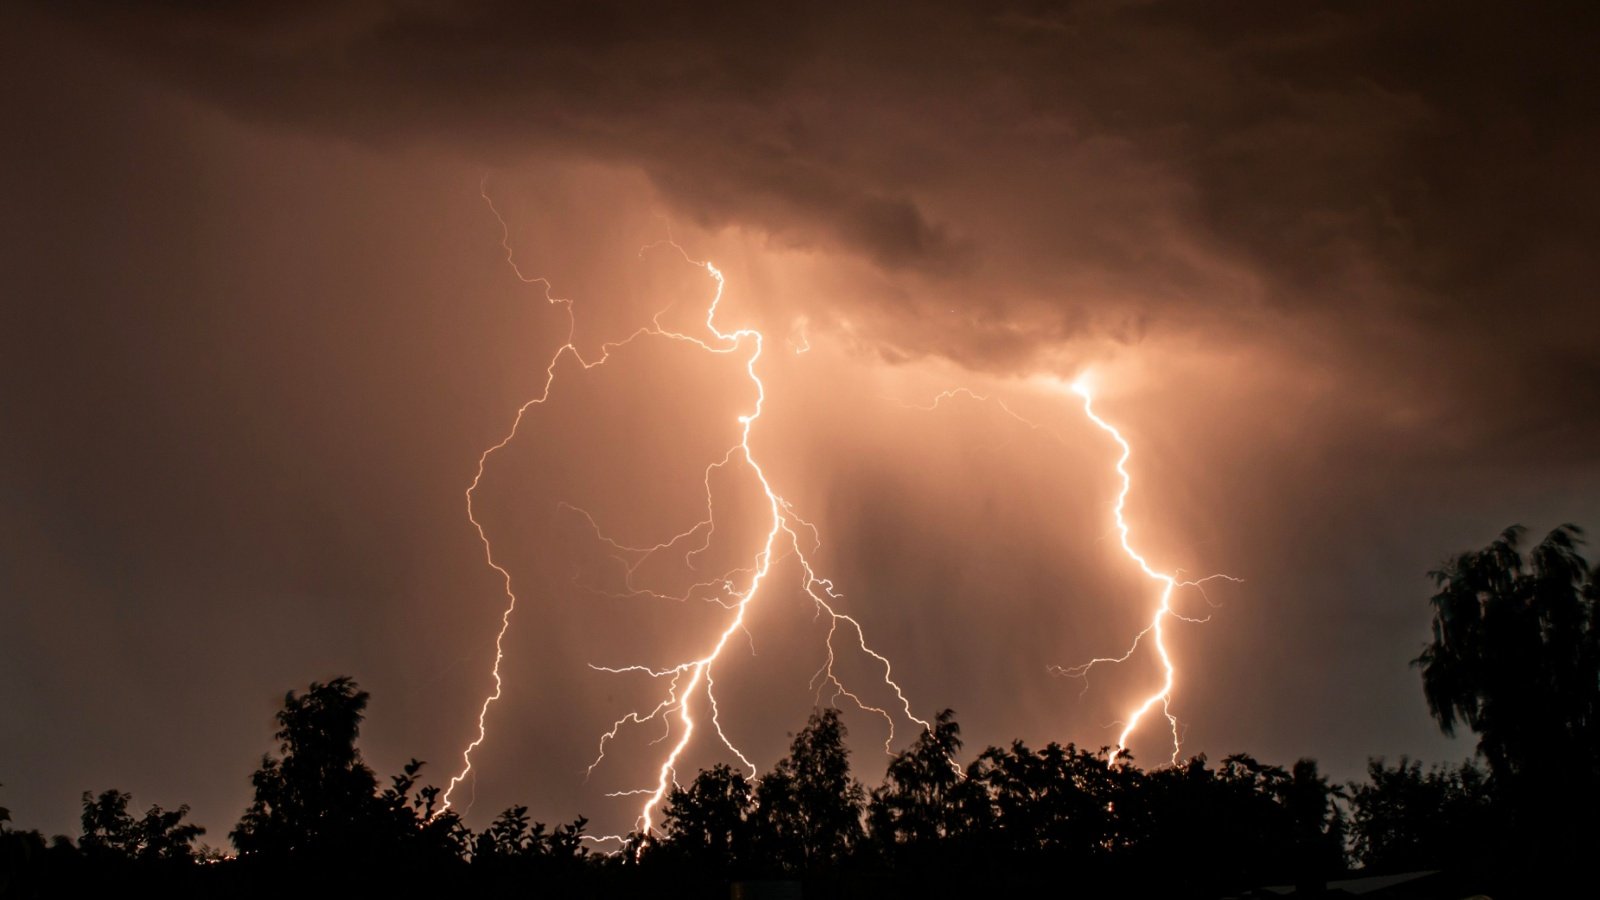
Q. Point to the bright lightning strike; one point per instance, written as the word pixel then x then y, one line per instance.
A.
pixel 736 590
pixel 1169 584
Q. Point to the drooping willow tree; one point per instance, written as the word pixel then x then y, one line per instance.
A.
pixel 1515 656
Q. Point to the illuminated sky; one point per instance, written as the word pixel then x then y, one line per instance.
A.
pixel 1334 273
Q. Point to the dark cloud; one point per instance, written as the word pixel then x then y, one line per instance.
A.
pixel 1416 169
pixel 698 99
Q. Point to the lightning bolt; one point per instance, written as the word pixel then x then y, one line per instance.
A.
pixel 787 535
pixel 1169 584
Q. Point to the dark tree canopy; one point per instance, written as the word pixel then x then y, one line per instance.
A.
pixel 317 796
pixel 926 797
pixel 318 800
pixel 707 823
pixel 160 835
pixel 1515 656
pixel 1014 820
pixel 1052 802
pixel 1404 818
pixel 809 807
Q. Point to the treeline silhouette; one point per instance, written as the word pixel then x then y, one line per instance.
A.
pixel 1013 816
pixel 1515 656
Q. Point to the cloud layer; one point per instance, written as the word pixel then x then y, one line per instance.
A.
pixel 1407 183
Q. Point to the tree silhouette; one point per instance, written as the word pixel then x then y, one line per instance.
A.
pixel 808 808
pixel 707 823
pixel 161 835
pixel 925 797
pixel 1404 818
pixel 511 835
pixel 1059 804
pixel 416 826
pixel 317 798
pixel 515 851
pixel 1317 828
pixel 1015 821
pixel 1515 655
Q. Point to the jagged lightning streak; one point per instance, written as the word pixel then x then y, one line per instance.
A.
pixel 1169 584
pixel 477 478
pixel 685 679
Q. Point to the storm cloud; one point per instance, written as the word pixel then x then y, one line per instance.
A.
pixel 1050 169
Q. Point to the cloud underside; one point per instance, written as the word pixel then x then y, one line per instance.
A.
pixel 1402 190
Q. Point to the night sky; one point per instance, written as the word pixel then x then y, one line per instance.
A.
pixel 1333 272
